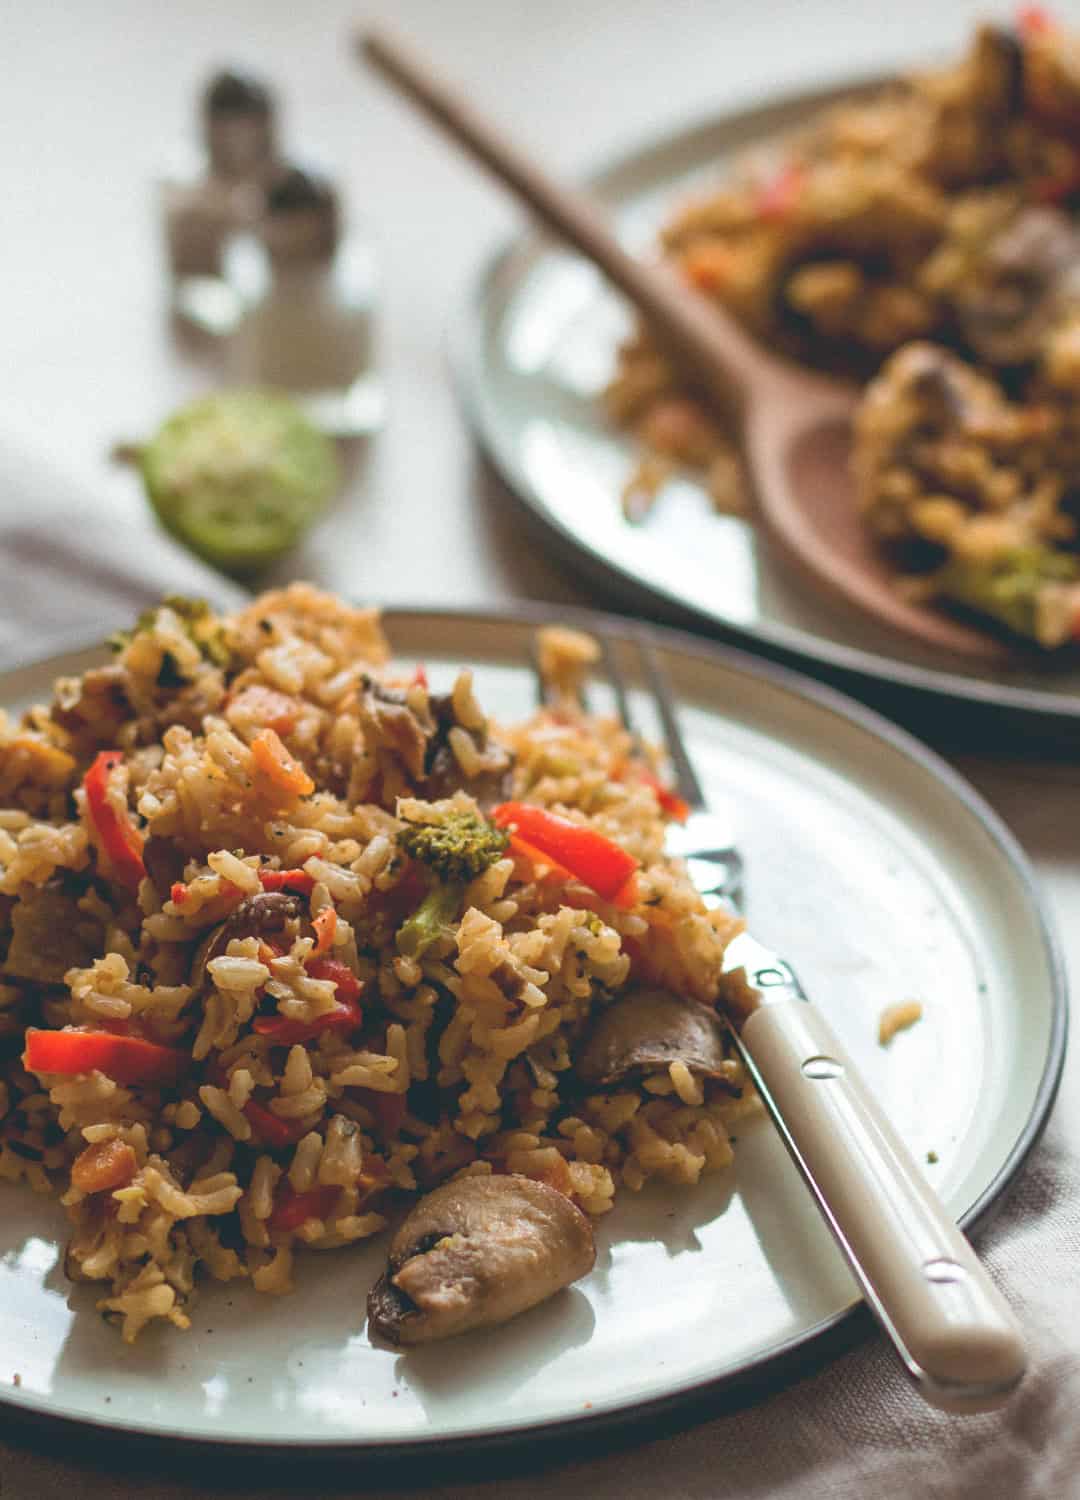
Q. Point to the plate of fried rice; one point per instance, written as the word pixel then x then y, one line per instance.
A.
pixel 917 236
pixel 313 1129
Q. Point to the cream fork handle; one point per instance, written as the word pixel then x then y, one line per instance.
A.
pixel 953 1329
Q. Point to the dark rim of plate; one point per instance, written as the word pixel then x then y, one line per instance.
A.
pixel 468 339
pixel 773 1368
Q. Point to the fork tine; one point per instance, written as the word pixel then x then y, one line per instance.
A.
pixel 618 684
pixel 538 676
pixel 685 775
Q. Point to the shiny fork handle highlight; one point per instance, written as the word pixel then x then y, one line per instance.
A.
pixel 952 1328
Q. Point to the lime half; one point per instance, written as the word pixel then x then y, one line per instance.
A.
pixel 239 476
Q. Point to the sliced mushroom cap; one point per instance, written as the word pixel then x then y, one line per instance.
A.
pixel 649 1029
pixel 261 915
pixel 1007 310
pixel 477 1252
pixel 443 775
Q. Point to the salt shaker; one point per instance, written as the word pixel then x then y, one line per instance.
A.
pixel 209 193
pixel 307 295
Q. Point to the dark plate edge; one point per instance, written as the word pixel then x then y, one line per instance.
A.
pixel 782 1363
pixel 465 347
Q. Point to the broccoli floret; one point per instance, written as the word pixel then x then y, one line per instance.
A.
pixel 440 907
pixel 458 849
pixel 1008 587
pixel 199 623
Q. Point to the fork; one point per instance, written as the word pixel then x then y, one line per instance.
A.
pixel 953 1331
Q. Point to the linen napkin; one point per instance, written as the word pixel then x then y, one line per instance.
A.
pixel 76 565
pixel 71 567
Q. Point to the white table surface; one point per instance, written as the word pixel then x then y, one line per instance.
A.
pixel 94 93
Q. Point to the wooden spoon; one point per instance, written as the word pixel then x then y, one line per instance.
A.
pixel 796 425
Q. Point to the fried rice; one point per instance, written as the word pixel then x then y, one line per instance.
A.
pixel 204 892
pixel 922 236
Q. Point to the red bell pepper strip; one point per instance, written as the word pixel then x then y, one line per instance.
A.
pixel 675 806
pixel 121 842
pixel 293 1209
pixel 775 199
pixel 270 1130
pixel 347 1017
pixel 125 1059
pixel 287 880
pixel 1034 20
pixel 590 857
pixel 388 1109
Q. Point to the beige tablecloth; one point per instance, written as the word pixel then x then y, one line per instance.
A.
pixel 852 1430
pixel 92 93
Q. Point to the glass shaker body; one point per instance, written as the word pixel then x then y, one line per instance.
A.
pixel 208 193
pixel 307 326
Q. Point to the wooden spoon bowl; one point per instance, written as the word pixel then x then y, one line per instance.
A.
pixel 797 444
pixel 796 425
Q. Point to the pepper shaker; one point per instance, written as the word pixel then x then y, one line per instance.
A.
pixel 209 193
pixel 307 292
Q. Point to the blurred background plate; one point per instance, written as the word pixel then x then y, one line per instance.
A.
pixel 534 350
pixel 870 864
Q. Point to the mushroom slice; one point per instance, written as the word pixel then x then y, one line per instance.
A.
pixel 477 1252
pixel 649 1029
pixel 1016 294
pixel 258 916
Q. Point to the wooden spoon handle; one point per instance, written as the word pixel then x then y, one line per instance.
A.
pixel 692 329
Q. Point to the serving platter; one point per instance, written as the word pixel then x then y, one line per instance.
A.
pixel 875 868
pixel 533 349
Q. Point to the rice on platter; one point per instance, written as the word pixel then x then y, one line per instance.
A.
pixel 923 237
pixel 291 941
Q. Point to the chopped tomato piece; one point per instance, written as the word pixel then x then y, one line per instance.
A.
pixel 293 1209
pixel 287 880
pixel 388 1109
pixel 125 1059
pixel 675 806
pixel 708 266
pixel 325 925
pixel 776 198
pixel 278 766
pixel 118 838
pixel 178 893
pixel 1058 189
pixel 103 1166
pixel 269 951
pixel 347 1016
pixel 596 861
pixel 373 1179
pixel 348 986
pixel 1034 20
pixel 419 677
pixel 265 705
pixel 270 1130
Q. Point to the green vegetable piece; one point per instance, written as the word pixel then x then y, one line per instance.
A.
pixel 239 476
pixel 459 848
pixel 199 622
pixel 440 907
pixel 1006 588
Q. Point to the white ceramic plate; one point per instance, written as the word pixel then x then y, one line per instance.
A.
pixel 534 349
pixel 875 869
